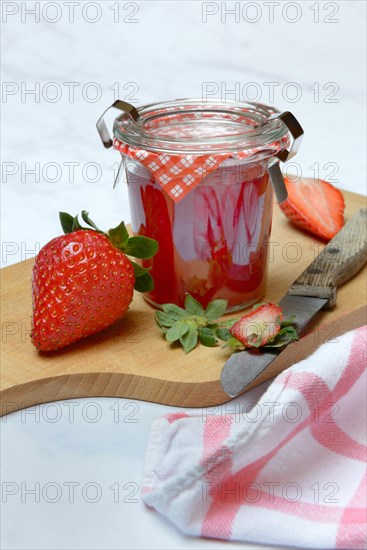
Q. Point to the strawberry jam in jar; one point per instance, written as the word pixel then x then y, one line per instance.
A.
pixel 199 183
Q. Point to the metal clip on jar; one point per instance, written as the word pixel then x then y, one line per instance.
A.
pixel 198 179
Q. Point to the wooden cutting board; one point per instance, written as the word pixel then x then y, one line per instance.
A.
pixel 132 359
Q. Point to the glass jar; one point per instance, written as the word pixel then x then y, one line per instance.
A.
pixel 198 180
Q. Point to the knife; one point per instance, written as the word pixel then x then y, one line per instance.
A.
pixel 315 289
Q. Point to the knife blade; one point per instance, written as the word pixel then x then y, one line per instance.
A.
pixel 314 290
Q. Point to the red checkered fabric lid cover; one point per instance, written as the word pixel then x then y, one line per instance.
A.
pixel 178 174
pixel 183 141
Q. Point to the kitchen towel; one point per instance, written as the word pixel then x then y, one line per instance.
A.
pixel 289 470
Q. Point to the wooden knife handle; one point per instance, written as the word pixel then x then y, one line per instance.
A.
pixel 338 262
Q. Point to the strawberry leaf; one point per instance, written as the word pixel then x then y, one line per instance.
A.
pixel 118 235
pixel 223 333
pixel 215 309
pixel 207 336
pixel 66 221
pixel 234 344
pixel 192 306
pixel 144 283
pixel 174 311
pixel 86 218
pixel 285 336
pixel 201 323
pixel 143 280
pixel 139 270
pixel 178 329
pixel 288 322
pixel 141 247
pixel 70 223
pixel 76 225
pixel 164 320
pixel 189 339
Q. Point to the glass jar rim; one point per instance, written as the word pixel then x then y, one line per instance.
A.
pixel 194 126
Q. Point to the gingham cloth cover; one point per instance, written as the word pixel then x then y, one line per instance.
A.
pixel 178 174
pixel 290 472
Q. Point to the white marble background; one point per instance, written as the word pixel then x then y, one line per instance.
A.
pixel 311 54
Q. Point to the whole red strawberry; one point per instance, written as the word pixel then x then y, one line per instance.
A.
pixel 82 282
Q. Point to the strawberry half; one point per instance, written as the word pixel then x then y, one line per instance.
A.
pixel 258 327
pixel 314 205
pixel 82 282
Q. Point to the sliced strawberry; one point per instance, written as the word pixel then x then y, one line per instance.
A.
pixel 314 205
pixel 259 326
pixel 158 225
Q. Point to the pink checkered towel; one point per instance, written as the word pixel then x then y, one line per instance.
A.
pixel 288 470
